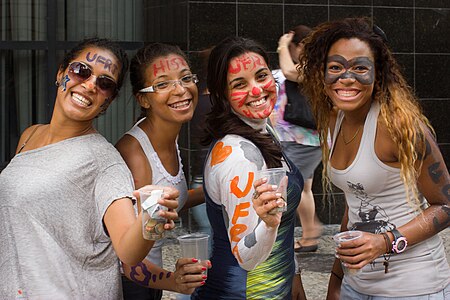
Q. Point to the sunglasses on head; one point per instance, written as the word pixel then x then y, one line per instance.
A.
pixel 80 72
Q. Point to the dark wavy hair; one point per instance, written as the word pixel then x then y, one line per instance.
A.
pixel 102 43
pixel 221 120
pixel 400 110
pixel 143 58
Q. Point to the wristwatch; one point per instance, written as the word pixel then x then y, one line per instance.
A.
pixel 399 244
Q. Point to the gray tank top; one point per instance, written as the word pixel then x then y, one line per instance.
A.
pixel 376 198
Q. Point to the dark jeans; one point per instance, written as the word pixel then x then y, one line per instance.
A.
pixel 133 291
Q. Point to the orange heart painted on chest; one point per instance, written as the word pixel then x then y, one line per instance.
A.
pixel 219 153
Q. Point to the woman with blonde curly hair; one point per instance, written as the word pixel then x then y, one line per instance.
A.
pixel 385 158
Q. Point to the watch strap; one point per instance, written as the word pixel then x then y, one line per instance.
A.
pixel 396 234
pixel 395 243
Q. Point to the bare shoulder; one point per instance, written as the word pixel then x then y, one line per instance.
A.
pixel 385 147
pixel 134 156
pixel 130 149
pixel 26 134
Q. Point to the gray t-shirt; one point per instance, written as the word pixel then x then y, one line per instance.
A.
pixel 53 243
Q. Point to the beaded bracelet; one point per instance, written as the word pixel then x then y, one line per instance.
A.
pixel 387 241
pixel 386 255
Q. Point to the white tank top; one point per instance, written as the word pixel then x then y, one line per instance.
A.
pixel 160 176
pixel 376 199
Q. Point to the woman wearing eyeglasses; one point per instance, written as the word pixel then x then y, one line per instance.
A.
pixel 166 90
pixel 66 213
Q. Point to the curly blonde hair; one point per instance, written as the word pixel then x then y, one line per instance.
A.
pixel 400 110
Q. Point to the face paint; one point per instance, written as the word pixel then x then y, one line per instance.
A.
pixel 64 82
pixel 244 63
pixel 361 69
pixel 166 65
pixel 256 91
pixel 239 96
pixel 98 59
pixel 252 90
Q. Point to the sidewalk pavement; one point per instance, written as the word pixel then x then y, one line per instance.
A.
pixel 315 266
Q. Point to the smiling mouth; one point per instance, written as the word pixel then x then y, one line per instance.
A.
pixel 347 93
pixel 180 105
pixel 257 102
pixel 81 100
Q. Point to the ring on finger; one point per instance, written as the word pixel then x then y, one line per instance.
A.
pixel 255 194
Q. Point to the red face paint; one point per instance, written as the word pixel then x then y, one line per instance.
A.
pixel 165 65
pixel 256 91
pixel 239 96
pixel 251 85
pixel 245 62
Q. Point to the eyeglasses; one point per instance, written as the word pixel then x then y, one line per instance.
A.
pixel 169 85
pixel 80 72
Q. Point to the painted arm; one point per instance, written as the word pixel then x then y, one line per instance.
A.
pixel 187 276
pixel 434 185
pixel 251 230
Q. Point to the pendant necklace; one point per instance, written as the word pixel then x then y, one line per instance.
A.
pixel 354 136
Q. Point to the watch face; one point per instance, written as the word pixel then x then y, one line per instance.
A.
pixel 400 245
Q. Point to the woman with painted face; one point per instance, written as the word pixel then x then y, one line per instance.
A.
pixel 253 255
pixel 385 158
pixel 66 197
pixel 166 90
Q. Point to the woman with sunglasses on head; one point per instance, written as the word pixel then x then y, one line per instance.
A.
pixel 166 90
pixel 253 251
pixel 385 158
pixel 66 197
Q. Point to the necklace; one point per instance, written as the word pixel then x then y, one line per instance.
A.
pixel 354 136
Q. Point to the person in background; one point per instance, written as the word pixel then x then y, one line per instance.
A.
pixel 66 200
pixel 197 156
pixel 301 144
pixel 253 255
pixel 166 90
pixel 385 158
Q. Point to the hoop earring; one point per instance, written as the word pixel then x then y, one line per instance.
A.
pixel 57 83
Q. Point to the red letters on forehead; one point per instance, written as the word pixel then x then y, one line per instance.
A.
pixel 166 65
pixel 245 62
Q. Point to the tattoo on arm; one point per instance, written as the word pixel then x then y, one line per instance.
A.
pixel 440 225
pixel 141 275
pixel 435 172
pixel 423 156
pixel 444 223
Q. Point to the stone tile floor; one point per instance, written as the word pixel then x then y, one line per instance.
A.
pixel 316 266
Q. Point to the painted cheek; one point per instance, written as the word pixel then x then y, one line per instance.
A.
pixel 270 86
pixel 248 114
pixel 239 96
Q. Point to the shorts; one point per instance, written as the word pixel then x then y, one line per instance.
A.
pixel 348 293
pixel 306 158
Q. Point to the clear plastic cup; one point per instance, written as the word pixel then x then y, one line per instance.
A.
pixel 152 222
pixel 276 176
pixel 195 245
pixel 345 237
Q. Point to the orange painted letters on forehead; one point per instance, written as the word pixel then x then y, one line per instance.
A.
pixel 167 64
pixel 246 62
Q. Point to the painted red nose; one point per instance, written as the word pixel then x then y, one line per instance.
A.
pixel 256 91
